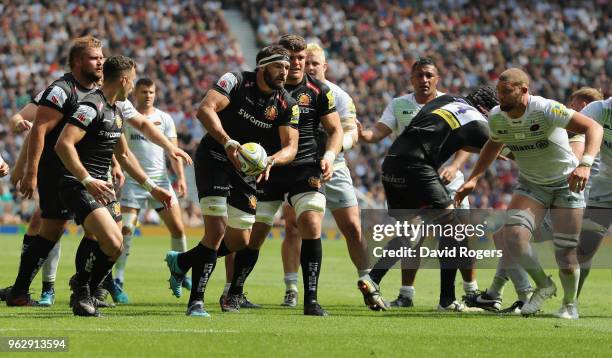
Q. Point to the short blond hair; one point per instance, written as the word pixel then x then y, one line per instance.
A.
pixel 515 76
pixel 79 45
pixel 315 49
pixel 588 94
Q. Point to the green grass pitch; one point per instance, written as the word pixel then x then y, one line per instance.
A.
pixel 154 323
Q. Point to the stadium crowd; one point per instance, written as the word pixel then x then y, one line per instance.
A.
pixel 186 45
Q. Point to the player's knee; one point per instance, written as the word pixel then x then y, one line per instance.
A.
pixel 214 206
pixel 266 210
pixel 238 219
pixel 565 241
pixel 519 223
pixel 311 201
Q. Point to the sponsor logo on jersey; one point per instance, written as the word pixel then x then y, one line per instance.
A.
pixel 118 122
pixel 254 120
pixel 58 96
pixel 541 144
pixel 252 202
pixel 331 100
pixel 559 110
pixel 304 99
pixel 295 114
pixel 518 148
pixel 314 182
pixel 502 131
pixel 227 82
pixel 85 114
pixel 271 113
pixel 534 127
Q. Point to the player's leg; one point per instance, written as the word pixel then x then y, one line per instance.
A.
pixel 49 272
pixel 595 226
pixel 229 273
pixel 129 213
pixel 290 252
pixel 246 259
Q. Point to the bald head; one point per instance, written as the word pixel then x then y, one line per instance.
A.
pixel 515 76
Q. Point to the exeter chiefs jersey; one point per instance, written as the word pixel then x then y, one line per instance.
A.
pixel 537 139
pixel 103 124
pixel 62 95
pixel 150 156
pixel 601 111
pixel 315 100
pixel 252 116
pixel 441 128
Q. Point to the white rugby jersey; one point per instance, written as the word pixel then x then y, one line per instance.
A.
pixel 601 111
pixel 346 110
pixel 151 156
pixel 537 139
pixel 400 111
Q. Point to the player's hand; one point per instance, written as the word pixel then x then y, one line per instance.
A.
pixel 231 150
pixel 118 177
pixel 16 176
pixel 448 173
pixel 4 169
pixel 578 179
pixel 101 190
pixel 464 191
pixel 327 168
pixel 28 185
pixel 266 172
pixel 177 153
pixel 363 135
pixel 23 126
pixel 163 196
pixel 181 188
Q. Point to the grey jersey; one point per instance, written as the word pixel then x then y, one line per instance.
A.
pixel 601 111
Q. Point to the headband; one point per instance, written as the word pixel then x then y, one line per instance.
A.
pixel 273 58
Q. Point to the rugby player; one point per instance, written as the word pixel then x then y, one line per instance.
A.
pixel 53 108
pixel 301 181
pixel 86 146
pixel 339 191
pixel 491 298
pixel 411 179
pixel 532 128
pixel 133 197
pixel 241 107
pixel 397 115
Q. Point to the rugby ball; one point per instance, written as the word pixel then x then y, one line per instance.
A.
pixel 252 157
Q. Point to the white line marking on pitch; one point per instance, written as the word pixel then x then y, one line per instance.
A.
pixel 147 330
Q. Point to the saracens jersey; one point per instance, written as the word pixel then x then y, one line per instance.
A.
pixel 537 139
pixel 151 157
pixel 103 124
pixel 442 127
pixel 315 100
pixel 400 111
pixel 252 115
pixel 601 111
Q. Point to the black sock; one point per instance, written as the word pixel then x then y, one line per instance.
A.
pixel 48 285
pixel 84 260
pixel 223 250
pixel 384 264
pixel 202 268
pixel 243 265
pixel 101 268
pixel 186 259
pixel 27 240
pixel 584 273
pixel 310 259
pixel 32 258
pixel 447 286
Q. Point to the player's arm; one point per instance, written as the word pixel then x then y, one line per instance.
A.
pixel 576 142
pixel 213 103
pixel 46 119
pixel 331 124
pixel 4 168
pixel 19 167
pixel 22 120
pixel 593 133
pixel 448 173
pixel 374 134
pixel 149 130
pixel 65 148
pixel 179 169
pixel 117 173
pixel 128 161
pixel 488 154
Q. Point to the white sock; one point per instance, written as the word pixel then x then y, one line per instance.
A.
pixel 178 244
pixel 49 269
pixel 226 288
pixel 363 274
pixel 470 287
pixel 122 260
pixel 291 279
pixel 524 295
pixel 570 285
pixel 497 286
pixel 407 291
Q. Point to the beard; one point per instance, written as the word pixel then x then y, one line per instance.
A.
pixel 506 107
pixel 270 80
pixel 92 75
